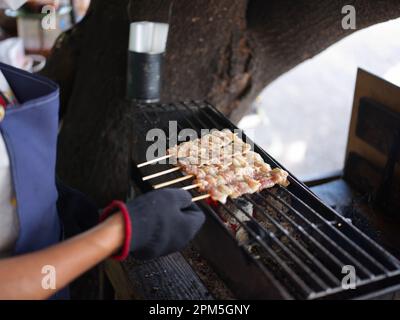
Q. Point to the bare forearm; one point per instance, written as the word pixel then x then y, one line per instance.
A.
pixel 21 277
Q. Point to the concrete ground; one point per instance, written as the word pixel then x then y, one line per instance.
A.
pixel 302 118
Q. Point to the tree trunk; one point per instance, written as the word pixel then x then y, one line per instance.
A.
pixel 225 51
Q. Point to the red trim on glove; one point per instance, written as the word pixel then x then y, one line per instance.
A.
pixel 128 226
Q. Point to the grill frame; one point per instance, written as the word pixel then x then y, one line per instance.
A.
pixel 250 278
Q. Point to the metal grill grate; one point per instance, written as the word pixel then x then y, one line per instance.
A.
pixel 293 240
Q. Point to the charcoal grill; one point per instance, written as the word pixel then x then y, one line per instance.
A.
pixel 296 246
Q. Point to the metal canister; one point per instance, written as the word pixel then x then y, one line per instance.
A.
pixel 147 43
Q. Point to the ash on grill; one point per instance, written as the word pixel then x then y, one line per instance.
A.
pixel 263 220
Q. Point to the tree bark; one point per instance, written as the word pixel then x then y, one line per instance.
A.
pixel 225 51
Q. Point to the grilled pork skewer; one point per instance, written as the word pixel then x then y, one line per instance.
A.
pixel 243 173
pixel 161 173
pixel 223 166
pixel 188 150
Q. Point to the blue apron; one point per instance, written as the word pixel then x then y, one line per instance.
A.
pixel 30 133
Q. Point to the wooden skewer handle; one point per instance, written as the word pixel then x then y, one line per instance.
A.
pixel 159 174
pixel 154 161
pixel 170 183
pixel 193 186
pixel 199 198
pixel 144 164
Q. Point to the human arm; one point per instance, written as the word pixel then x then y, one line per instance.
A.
pixel 153 225
pixel 21 277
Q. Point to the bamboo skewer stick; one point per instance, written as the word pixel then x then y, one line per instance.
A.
pixel 169 183
pixel 144 164
pixel 177 168
pixel 203 197
pixel 154 161
pixel 193 186
pixel 159 174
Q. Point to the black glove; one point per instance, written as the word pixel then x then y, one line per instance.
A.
pixel 162 222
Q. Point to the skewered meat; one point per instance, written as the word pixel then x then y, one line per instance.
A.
pixel 214 148
pixel 225 167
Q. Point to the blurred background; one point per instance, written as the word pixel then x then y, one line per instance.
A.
pixel 320 93
pixel 24 43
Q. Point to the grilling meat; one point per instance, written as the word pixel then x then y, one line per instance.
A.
pixel 215 148
pixel 225 167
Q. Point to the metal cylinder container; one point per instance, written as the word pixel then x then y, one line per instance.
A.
pixel 144 76
pixel 147 43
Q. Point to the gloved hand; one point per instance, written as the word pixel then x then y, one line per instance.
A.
pixel 161 222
